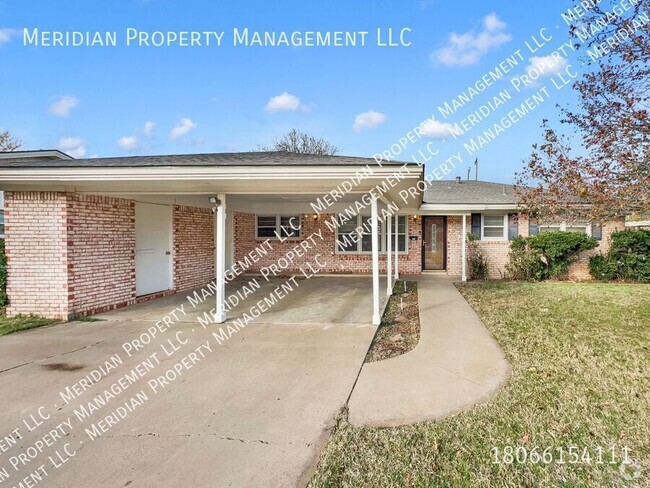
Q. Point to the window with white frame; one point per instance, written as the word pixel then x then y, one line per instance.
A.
pixel 355 235
pixel 494 227
pixel 277 227
pixel 581 227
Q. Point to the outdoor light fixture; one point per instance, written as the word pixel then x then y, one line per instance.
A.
pixel 215 201
pixel 315 216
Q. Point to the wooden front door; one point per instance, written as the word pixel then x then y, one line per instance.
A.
pixel 434 243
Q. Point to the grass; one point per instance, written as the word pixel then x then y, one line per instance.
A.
pixel 399 331
pixel 21 322
pixel 580 360
pixel 88 318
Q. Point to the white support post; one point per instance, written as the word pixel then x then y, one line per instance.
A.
pixel 220 316
pixel 389 255
pixel 376 319
pixel 397 246
pixel 464 250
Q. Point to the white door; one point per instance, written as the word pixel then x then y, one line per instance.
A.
pixel 153 257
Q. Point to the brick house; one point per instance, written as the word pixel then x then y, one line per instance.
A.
pixel 84 236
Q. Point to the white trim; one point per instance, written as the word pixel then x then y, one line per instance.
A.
pixel 374 231
pixel 461 209
pixel 561 226
pixel 177 173
pixel 464 250
pixel 397 245
pixel 504 237
pixel 220 268
pixel 389 254
pixel 638 223
pixel 36 155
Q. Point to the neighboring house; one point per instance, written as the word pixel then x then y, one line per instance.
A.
pixel 84 236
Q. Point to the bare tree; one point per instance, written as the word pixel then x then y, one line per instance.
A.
pixel 9 143
pixel 298 142
pixel 611 122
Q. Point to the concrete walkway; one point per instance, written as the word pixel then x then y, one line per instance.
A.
pixel 456 364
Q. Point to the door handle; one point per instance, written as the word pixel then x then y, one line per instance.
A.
pixel 168 253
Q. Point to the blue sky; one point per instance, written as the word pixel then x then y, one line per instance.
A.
pixel 97 101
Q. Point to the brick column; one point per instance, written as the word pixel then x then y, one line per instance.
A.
pixel 37 253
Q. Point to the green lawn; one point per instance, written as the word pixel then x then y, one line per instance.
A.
pixel 22 322
pixel 580 381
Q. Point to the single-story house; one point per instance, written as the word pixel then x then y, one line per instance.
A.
pixel 90 235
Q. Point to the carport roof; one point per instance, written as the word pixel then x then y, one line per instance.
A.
pixel 269 158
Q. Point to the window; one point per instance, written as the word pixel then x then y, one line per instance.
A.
pixel 2 224
pixel 494 227
pixel 581 227
pixel 400 220
pixel 355 235
pixel 549 228
pixel 277 226
pixel 347 238
pixel 290 227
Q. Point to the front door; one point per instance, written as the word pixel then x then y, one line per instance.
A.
pixel 153 270
pixel 434 243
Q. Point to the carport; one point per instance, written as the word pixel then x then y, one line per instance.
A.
pixel 137 228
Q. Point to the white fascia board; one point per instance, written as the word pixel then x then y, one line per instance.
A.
pixel 162 173
pixel 460 209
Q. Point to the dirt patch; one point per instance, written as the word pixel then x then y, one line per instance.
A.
pixel 62 367
pixel 399 331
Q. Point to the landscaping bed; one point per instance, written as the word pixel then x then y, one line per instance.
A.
pixel 579 357
pixel 399 331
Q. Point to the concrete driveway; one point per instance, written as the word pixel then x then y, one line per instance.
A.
pixel 183 410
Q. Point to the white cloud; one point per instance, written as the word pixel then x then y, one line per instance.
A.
pixel 184 126
pixel 493 23
pixel 540 67
pixel 61 106
pixel 74 146
pixel 546 65
pixel 286 102
pixel 129 143
pixel 7 35
pixel 368 120
pixel 148 128
pixel 436 130
pixel 465 49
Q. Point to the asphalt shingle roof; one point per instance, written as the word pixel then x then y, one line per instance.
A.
pixel 271 158
pixel 471 192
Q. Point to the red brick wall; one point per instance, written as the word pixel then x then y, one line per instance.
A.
pixel 101 252
pixel 497 251
pixel 36 246
pixel 193 247
pixel 580 269
pixel 70 254
pixel 245 241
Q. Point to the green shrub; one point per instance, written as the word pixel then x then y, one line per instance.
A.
pixel 477 264
pixel 628 258
pixel 525 264
pixel 4 300
pixel 602 268
pixel 546 255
